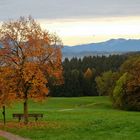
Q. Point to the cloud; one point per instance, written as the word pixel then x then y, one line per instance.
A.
pixel 52 9
pixel 80 31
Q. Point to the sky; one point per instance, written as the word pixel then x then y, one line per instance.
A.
pixel 79 21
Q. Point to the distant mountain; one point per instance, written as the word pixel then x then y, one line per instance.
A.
pixel 113 46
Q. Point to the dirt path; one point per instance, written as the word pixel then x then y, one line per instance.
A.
pixel 10 136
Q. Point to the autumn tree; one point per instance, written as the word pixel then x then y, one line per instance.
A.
pixel 89 82
pixel 32 57
pixel 126 94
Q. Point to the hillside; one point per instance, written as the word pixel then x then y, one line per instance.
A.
pixel 83 118
pixel 113 46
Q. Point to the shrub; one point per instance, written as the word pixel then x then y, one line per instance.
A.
pixel 126 94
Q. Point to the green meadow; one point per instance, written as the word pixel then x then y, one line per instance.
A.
pixel 82 118
pixel 1 138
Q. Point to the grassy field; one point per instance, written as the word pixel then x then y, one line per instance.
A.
pixel 1 138
pixel 85 118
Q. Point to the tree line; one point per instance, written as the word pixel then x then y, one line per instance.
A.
pixel 80 74
pixel 117 76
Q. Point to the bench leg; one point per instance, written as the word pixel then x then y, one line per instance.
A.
pixel 36 118
pixel 19 119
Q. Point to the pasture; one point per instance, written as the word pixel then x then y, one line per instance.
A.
pixel 82 118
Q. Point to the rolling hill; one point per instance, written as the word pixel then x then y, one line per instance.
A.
pixel 113 46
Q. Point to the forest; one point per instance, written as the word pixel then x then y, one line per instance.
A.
pixel 80 74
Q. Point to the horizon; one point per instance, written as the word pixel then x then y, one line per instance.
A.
pixel 80 22
pixel 126 39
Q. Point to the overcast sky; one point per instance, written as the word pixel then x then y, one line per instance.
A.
pixel 79 21
pixel 52 9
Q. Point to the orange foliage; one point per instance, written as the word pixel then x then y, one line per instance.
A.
pixel 29 56
pixel 7 90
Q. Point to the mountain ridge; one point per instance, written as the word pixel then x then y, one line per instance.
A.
pixel 110 46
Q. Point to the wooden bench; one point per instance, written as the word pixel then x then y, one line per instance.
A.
pixel 21 116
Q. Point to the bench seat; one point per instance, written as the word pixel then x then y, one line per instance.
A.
pixel 21 116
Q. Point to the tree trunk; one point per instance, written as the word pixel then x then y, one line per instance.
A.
pixel 26 110
pixel 3 112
